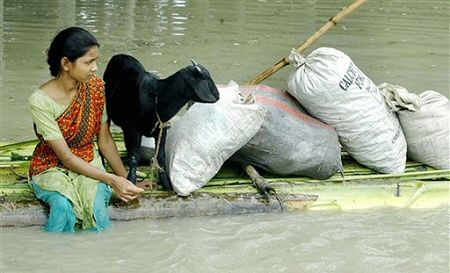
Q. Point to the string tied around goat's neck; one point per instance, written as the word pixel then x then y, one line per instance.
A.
pixel 161 126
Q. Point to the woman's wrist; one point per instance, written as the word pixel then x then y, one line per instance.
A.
pixel 110 179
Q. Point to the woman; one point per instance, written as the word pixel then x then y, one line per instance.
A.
pixel 68 112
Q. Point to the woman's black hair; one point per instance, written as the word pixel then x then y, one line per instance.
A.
pixel 72 42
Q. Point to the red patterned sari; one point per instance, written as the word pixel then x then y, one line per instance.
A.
pixel 79 125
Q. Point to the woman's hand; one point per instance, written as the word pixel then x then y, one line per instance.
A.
pixel 126 190
pixel 147 185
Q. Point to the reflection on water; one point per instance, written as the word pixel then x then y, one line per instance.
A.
pixel 395 41
pixel 385 240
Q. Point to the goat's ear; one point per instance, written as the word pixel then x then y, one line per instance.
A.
pixel 206 91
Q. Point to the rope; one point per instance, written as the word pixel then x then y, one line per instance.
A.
pixel 296 58
pixel 161 125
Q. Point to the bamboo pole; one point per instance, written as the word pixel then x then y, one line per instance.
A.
pixel 334 20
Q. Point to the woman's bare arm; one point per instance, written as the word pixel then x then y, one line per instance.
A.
pixel 124 188
pixel 109 150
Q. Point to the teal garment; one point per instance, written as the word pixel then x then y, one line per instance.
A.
pixel 62 216
pixel 81 190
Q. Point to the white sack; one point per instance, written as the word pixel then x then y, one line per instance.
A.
pixel 198 144
pixel 331 88
pixel 425 120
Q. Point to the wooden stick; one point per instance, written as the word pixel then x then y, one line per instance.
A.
pixel 334 20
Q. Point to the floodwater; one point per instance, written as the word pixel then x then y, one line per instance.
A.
pixel 404 42
pixel 317 241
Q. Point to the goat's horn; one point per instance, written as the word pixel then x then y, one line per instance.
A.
pixel 195 64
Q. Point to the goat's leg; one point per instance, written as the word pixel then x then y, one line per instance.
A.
pixel 164 179
pixel 132 141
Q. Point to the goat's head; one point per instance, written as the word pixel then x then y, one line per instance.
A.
pixel 200 85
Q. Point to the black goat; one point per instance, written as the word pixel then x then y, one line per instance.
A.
pixel 137 101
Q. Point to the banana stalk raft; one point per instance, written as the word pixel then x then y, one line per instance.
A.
pixel 232 192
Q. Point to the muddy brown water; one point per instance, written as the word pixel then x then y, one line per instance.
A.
pixel 403 42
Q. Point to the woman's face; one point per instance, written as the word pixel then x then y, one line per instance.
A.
pixel 83 68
